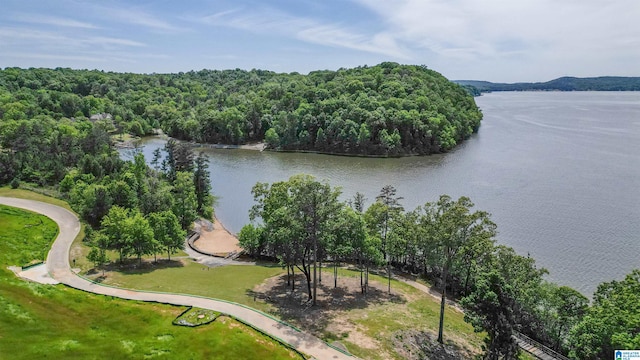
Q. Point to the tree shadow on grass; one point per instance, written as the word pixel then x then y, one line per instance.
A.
pixel 295 307
pixel 133 266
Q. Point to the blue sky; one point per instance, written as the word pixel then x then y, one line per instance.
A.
pixel 495 40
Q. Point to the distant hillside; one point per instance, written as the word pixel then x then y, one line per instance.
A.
pixel 603 83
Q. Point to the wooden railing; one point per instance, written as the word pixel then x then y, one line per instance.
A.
pixel 542 348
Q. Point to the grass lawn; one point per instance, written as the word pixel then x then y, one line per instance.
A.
pixel 30 195
pixel 25 237
pixel 44 321
pixel 379 320
pixel 233 283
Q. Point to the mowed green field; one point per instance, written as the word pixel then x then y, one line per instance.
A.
pixel 56 322
pixel 232 282
pixel 378 321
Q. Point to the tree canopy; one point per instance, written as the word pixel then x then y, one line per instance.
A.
pixel 387 109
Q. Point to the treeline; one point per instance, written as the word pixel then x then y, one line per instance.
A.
pixel 302 224
pixel 603 83
pixel 388 109
pixel 131 208
pixel 137 210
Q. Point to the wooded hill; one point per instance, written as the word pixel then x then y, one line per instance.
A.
pixel 388 109
pixel 603 83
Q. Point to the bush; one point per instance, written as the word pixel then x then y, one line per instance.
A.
pixel 15 183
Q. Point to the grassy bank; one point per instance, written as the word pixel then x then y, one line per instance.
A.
pixel 233 283
pixel 369 327
pixel 43 321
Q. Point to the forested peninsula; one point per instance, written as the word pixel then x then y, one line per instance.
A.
pixel 383 110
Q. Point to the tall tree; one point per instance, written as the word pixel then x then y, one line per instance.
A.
pixel 179 158
pixel 167 231
pixel 612 322
pixel 392 207
pixel 185 205
pixel 95 203
pixel 128 232
pixel 202 183
pixel 358 202
pixel 490 307
pixel 138 235
pixel 297 215
pixel 114 227
pixel 455 227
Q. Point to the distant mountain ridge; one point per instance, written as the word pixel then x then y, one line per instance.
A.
pixel 602 83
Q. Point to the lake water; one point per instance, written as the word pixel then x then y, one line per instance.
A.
pixel 558 171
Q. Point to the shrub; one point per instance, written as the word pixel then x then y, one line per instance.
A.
pixel 15 183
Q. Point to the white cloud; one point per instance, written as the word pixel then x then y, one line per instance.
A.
pixel 54 39
pixel 142 18
pixel 48 56
pixel 539 33
pixel 52 20
pixel 306 29
pixel 99 40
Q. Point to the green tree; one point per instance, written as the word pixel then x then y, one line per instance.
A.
pixel 138 235
pixel 455 227
pixel 612 321
pixel 95 203
pixel 179 158
pixel 122 194
pixel 158 197
pixel 560 308
pixel 185 205
pixel 272 139
pixel 490 307
pixel 202 182
pixel 382 221
pixel 98 256
pixel 167 231
pixel 114 227
pixel 251 239
pixel 298 217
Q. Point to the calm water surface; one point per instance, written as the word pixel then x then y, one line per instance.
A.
pixel 559 172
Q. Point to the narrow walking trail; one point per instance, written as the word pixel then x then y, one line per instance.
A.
pixel 58 267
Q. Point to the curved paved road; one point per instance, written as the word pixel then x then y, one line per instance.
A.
pixel 58 267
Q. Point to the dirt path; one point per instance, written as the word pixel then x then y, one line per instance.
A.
pixel 58 267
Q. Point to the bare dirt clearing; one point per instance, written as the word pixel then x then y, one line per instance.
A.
pixel 372 326
pixel 218 241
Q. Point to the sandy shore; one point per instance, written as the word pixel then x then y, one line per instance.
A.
pixel 219 241
pixel 253 146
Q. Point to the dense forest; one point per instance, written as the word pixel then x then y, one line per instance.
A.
pixel 130 207
pixel 388 109
pixel 603 83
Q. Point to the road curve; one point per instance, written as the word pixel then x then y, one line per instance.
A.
pixel 58 267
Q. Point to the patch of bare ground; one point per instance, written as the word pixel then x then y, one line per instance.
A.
pixel 295 305
pixel 218 241
pixel 341 312
pixel 329 318
pixel 420 345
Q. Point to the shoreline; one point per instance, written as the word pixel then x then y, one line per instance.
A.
pixel 262 146
pixel 219 242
